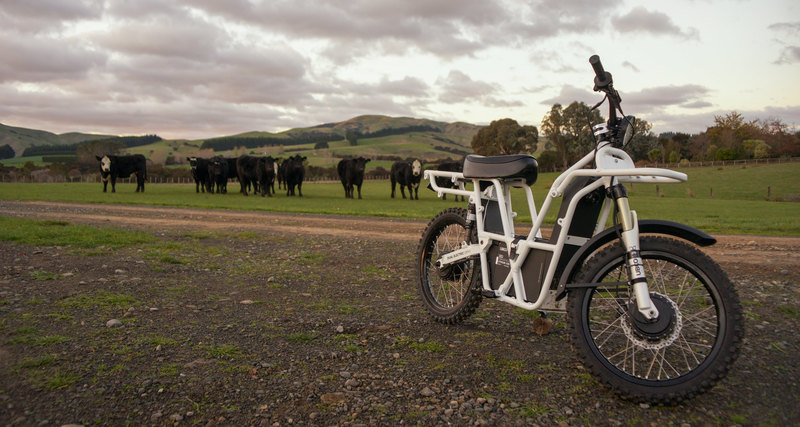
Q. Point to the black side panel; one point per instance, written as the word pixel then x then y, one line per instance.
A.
pixel 492 221
pixel 584 220
pixel 533 271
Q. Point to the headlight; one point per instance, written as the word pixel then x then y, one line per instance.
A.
pixel 627 129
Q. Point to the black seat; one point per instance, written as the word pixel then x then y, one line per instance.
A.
pixel 502 167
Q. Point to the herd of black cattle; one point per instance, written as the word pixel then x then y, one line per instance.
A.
pixel 258 174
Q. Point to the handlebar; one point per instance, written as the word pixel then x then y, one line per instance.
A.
pixel 603 82
pixel 602 78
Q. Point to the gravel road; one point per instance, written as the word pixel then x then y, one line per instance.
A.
pixel 241 318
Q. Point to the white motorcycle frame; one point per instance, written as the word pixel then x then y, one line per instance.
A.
pixel 613 166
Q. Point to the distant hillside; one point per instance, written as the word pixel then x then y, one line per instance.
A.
pixel 377 136
pixel 21 138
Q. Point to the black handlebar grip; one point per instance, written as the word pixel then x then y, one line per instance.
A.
pixel 603 77
pixel 597 65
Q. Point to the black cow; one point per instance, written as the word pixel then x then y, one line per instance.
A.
pixel 122 167
pixel 281 174
pixel 351 172
pixel 265 174
pixel 218 174
pixel 294 174
pixel 447 182
pixel 407 175
pixel 247 169
pixel 232 173
pixel 199 173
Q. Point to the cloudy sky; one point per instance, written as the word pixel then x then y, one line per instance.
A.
pixel 202 68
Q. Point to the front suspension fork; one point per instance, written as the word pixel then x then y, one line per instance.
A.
pixel 633 259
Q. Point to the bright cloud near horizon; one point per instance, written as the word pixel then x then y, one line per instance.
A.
pixel 204 68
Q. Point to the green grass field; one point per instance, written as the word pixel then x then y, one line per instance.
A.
pixel 738 205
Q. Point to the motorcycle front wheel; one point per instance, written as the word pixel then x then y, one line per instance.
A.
pixel 691 345
pixel 448 292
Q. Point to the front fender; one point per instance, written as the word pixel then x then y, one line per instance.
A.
pixel 646 226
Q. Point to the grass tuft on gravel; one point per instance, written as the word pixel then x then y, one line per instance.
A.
pixel 101 299
pixel 61 233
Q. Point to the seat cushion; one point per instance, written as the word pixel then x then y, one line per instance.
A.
pixel 513 166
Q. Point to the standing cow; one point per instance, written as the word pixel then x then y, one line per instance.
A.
pixel 295 172
pixel 351 172
pixel 232 173
pixel 447 182
pixel 265 174
pixel 199 173
pixel 122 167
pixel 407 175
pixel 281 174
pixel 246 168
pixel 218 175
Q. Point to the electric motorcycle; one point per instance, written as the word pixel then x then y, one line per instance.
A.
pixel 649 313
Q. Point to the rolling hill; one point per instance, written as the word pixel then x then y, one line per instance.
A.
pixel 377 137
pixel 21 138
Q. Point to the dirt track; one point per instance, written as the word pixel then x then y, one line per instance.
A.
pixel 756 252
pixel 315 320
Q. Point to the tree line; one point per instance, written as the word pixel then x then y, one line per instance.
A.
pixel 72 149
pixel 567 136
pixel 232 142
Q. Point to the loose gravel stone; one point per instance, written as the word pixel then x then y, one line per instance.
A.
pixel 113 323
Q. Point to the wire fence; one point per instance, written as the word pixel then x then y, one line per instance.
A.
pixel 151 179
pixel 729 162
pixel 43 177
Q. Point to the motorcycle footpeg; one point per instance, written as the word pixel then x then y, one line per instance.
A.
pixel 486 293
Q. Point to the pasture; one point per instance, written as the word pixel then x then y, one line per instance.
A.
pixel 718 200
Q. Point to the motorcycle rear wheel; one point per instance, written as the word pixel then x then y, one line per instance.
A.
pixel 449 292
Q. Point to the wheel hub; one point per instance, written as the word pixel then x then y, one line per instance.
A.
pixel 658 333
pixel 450 272
pixel 654 329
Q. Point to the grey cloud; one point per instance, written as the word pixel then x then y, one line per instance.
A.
pixel 44 16
pixel 458 87
pixel 569 94
pixel 790 53
pixel 639 103
pixel 665 96
pixel 35 59
pixel 629 65
pixel 642 20
pixel 143 9
pixel 553 60
pixel 408 86
pixel 788 27
pixel 544 19
pixel 163 37
pixel 53 111
pixel 52 9
pixel 278 78
pixel 436 26
pixel 697 104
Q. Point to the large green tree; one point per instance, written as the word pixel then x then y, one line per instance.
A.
pixel 569 130
pixel 554 125
pixel 505 136
pixel 643 141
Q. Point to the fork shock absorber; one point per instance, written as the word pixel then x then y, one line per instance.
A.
pixel 633 259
